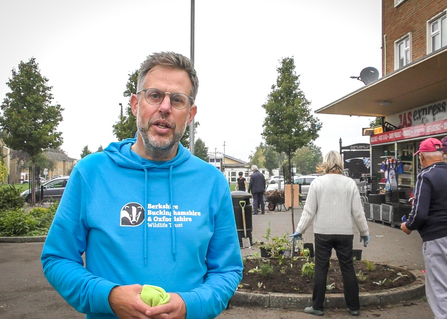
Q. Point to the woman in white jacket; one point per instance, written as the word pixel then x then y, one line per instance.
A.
pixel 333 204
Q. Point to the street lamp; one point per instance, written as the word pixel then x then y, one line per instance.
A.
pixel 121 116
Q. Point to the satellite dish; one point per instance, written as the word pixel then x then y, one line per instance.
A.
pixel 369 75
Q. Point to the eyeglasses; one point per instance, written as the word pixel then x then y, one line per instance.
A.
pixel 178 101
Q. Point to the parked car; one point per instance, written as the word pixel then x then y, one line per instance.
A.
pixel 274 183
pixel 304 181
pixel 276 178
pixel 52 190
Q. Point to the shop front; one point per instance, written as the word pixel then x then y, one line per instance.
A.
pixel 412 106
pixel 393 165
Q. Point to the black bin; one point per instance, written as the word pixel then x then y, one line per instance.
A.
pixel 237 197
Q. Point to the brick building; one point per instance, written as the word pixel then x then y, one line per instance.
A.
pixel 410 99
pixel 411 29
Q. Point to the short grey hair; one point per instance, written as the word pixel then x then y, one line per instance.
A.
pixel 333 163
pixel 173 60
pixel 254 168
pixel 433 155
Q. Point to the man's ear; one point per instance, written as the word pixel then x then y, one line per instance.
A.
pixel 134 104
pixel 192 113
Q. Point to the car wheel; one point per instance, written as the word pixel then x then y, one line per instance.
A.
pixel 28 199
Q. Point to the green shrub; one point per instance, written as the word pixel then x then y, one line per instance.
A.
pixel 16 223
pixel 10 198
pixel 266 269
pixel 43 217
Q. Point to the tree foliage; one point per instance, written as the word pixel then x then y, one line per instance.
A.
pixel 272 159
pixel 257 158
pixel 29 121
pixel 126 126
pixel 376 122
pixel 307 158
pixel 200 150
pixel 85 152
pixel 289 123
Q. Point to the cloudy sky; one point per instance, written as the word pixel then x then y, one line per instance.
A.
pixel 87 48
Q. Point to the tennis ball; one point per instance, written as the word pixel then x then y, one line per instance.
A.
pixel 154 295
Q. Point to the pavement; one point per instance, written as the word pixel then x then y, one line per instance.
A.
pixel 25 293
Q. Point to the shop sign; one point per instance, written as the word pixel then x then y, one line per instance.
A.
pixel 411 132
pixel 420 115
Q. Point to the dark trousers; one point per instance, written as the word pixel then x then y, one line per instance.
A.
pixel 258 199
pixel 323 250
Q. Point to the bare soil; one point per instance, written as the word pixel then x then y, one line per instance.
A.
pixel 288 278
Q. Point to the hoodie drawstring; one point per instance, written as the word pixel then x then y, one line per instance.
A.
pixel 146 203
pixel 171 204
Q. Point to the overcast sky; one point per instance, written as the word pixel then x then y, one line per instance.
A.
pixel 87 48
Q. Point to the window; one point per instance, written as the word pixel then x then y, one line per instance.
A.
pixel 402 51
pixel 437 32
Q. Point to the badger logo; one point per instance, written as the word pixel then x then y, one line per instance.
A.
pixel 132 214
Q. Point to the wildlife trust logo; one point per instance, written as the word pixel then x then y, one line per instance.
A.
pixel 132 215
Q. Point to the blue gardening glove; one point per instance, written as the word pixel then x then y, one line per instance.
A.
pixel 365 240
pixel 296 236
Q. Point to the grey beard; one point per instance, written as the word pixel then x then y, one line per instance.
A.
pixel 159 149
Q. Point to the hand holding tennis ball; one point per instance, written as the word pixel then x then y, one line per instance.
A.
pixel 154 295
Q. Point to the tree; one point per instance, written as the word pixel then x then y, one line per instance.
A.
pixel 100 149
pixel 126 126
pixel 29 120
pixel 307 158
pixel 257 158
pixel 271 159
pixel 289 123
pixel 378 121
pixel 200 150
pixel 85 151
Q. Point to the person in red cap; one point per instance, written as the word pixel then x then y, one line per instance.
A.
pixel 429 217
pixel 444 148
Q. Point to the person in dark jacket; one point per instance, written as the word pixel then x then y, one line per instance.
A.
pixel 429 217
pixel 257 188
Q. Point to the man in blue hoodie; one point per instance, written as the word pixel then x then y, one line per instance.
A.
pixel 132 212
pixel 429 217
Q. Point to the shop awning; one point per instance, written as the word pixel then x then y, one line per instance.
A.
pixel 422 82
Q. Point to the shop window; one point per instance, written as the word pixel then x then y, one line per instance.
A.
pixel 406 169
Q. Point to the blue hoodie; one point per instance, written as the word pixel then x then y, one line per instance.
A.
pixel 169 224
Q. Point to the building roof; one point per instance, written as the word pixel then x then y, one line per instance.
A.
pixel 58 155
pixel 419 83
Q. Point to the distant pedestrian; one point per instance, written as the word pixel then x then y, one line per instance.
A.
pixel 241 182
pixel 333 204
pixel 444 149
pixel 429 217
pixel 257 188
